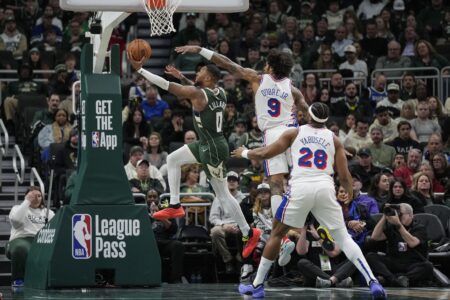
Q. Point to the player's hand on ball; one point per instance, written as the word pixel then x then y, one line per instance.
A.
pixel 237 152
pixel 87 236
pixel 188 49
pixel 136 64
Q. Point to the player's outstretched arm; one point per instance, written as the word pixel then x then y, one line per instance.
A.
pixel 280 146
pixel 171 70
pixel 345 178
pixel 193 93
pixel 222 62
pixel 299 100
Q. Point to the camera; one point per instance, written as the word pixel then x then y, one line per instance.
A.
pixel 390 210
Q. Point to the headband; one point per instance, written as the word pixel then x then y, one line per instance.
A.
pixel 318 120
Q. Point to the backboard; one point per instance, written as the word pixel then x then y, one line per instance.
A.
pixel 214 6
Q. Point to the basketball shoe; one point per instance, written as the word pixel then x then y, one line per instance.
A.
pixel 251 241
pixel 172 212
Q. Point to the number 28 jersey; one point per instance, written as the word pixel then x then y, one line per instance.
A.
pixel 274 103
pixel 312 154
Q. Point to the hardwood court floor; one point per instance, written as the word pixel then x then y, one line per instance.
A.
pixel 223 291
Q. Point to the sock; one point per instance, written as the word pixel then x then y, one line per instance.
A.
pixel 275 202
pixel 174 162
pixel 230 204
pixel 353 252
pixel 263 269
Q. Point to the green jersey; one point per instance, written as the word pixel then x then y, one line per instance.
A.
pixel 209 122
pixel 211 149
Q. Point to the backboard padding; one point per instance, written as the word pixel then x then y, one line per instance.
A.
pixel 214 6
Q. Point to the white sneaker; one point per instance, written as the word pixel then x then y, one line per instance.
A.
pixel 285 253
pixel 246 271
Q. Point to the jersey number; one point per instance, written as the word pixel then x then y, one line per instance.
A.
pixel 275 107
pixel 319 158
pixel 219 120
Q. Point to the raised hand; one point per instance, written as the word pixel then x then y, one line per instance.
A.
pixel 171 70
pixel 188 49
pixel 136 64
pixel 238 152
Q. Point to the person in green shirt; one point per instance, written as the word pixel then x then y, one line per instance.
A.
pixel 211 150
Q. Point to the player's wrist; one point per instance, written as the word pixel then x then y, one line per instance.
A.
pixel 206 53
pixel 244 153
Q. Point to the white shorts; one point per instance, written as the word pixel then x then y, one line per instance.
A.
pixel 281 163
pixel 318 197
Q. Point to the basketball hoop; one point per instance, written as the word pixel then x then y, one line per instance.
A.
pixel 160 13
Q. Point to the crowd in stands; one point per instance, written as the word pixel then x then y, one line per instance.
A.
pixel 395 128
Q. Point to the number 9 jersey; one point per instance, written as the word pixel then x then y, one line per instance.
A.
pixel 312 154
pixel 274 103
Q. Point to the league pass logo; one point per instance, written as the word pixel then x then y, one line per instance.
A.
pixel 95 139
pixel 81 236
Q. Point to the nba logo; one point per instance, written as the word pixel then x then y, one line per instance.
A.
pixel 81 236
pixel 95 139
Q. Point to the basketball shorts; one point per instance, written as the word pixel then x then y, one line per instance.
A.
pixel 281 163
pixel 317 197
pixel 213 155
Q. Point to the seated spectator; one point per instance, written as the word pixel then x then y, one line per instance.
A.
pixel 352 24
pixel 26 220
pixel 40 32
pixel 74 38
pixel 56 132
pixel 408 39
pixel 224 226
pixel 240 127
pixel 253 60
pixel 155 154
pixel 392 101
pixel 384 121
pixel 189 61
pixel 152 105
pixel 406 249
pixel 377 92
pixel 379 189
pixel 36 63
pixel 190 32
pixel 253 138
pixel 230 116
pixel 348 127
pixel 232 90
pixel 143 183
pixel 251 176
pixel 48 12
pixel 137 154
pixel 25 85
pixel 422 126
pixel 441 168
pixel 359 138
pixel 60 83
pixel 226 50
pixel 399 161
pixel 426 56
pixel 310 88
pixel 174 131
pixel 357 212
pixel 289 33
pixel 135 130
pixel 212 40
pixel 382 154
pixel 66 158
pixel 421 95
pixel 359 67
pixel 426 168
pixel 400 193
pixel 189 137
pixel 393 60
pixel 12 40
pixel 322 266
pixel 340 43
pixel 325 62
pixel 407 112
pixel 412 166
pixel 408 90
pixel 434 146
pixel 437 110
pixel 365 169
pixel 163 231
pixel 403 143
pixel 46 116
pixel 374 45
pixel 351 103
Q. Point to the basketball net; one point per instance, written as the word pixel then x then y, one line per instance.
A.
pixel 160 13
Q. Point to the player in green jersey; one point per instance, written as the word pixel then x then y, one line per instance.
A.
pixel 208 103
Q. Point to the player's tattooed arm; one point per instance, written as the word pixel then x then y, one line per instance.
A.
pixel 299 100
pixel 222 62
pixel 171 70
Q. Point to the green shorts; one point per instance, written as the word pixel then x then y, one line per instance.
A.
pixel 213 155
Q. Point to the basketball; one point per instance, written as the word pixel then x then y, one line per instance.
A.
pixel 138 49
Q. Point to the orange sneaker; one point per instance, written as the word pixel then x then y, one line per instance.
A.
pixel 169 213
pixel 251 241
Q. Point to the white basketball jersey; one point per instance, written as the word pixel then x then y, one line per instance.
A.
pixel 312 153
pixel 274 103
